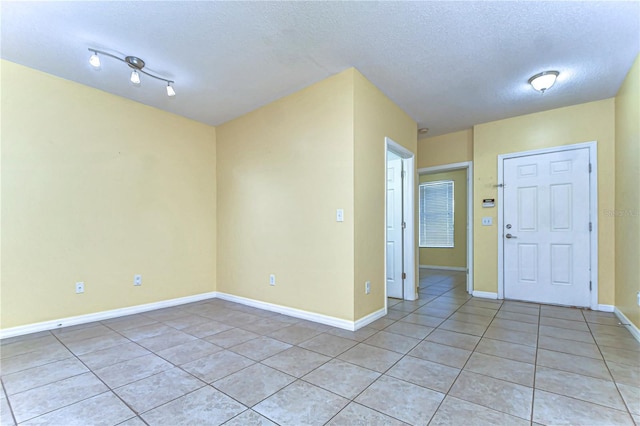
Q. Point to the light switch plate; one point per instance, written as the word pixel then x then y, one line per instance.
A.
pixel 340 215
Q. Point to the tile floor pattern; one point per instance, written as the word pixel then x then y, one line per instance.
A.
pixel 447 359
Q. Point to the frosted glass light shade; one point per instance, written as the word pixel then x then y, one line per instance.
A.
pixel 544 80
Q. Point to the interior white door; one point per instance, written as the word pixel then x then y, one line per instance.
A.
pixel 546 228
pixel 394 228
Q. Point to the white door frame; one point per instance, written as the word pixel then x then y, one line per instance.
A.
pixel 409 266
pixel 468 166
pixel 593 211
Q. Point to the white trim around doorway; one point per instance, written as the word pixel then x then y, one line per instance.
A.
pixel 410 244
pixel 468 166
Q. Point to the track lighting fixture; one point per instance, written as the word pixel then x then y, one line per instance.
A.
pixel 136 64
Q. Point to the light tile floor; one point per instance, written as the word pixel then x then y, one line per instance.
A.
pixel 447 359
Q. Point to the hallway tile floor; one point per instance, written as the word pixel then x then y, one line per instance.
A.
pixel 447 359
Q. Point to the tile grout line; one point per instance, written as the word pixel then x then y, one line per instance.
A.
pixel 535 367
pixel 604 360
pixel 465 364
pixel 206 384
pixel 139 414
pixel 459 373
pixel 4 389
pixel 445 293
pixel 89 370
pixel 136 414
pixel 392 365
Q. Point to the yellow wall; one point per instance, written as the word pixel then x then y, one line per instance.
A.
pixel 283 170
pixel 376 117
pixel 456 147
pixel 627 195
pixel 457 255
pixel 97 188
pixel 592 121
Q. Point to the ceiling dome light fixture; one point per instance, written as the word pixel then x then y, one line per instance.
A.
pixel 544 80
pixel 136 64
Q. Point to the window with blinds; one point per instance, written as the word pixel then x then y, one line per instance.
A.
pixel 436 214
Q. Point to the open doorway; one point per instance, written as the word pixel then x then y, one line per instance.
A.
pixel 450 247
pixel 400 252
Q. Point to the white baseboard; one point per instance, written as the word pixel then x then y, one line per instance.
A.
pixel 484 294
pixel 114 313
pixel 100 316
pixel 292 312
pixel 606 308
pixel 445 268
pixel 369 318
pixel 628 324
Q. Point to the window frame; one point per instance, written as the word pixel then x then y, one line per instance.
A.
pixel 448 239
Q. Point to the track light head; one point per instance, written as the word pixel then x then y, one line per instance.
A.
pixel 170 91
pixel 94 60
pixel 135 77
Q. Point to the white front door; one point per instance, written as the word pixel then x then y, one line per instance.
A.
pixel 394 228
pixel 546 228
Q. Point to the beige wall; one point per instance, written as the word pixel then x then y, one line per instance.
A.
pixel 457 255
pixel 376 117
pixel 283 170
pixel 592 121
pixel 97 188
pixel 627 195
pixel 129 189
pixel 456 147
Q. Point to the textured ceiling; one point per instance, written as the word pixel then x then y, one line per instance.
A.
pixel 449 65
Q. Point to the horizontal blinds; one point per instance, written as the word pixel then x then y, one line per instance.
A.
pixel 436 214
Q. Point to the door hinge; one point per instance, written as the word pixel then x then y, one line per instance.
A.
pixel 403 174
pixel 590 285
pixel 589 167
pixel 404 275
pixel 404 225
pixel 590 226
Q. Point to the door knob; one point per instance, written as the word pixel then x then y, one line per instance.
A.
pixel 510 236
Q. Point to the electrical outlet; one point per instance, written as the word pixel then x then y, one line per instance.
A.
pixel 639 298
pixel 487 221
pixel 137 280
pixel 367 287
pixel 79 287
pixel 272 279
